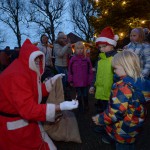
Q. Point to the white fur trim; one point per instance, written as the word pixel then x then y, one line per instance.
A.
pixel 39 89
pixel 104 39
pixel 50 112
pixel 46 138
pixel 17 124
pixel 32 64
pixel 116 37
pixel 33 67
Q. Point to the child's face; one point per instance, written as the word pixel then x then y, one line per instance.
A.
pixel 105 48
pixel 119 70
pixel 79 50
pixel 134 36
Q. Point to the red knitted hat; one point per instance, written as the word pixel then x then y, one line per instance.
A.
pixel 107 37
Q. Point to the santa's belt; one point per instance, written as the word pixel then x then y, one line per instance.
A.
pixel 9 115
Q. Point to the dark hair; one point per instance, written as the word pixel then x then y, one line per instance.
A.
pixel 42 37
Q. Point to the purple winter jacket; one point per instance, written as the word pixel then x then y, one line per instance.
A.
pixel 80 71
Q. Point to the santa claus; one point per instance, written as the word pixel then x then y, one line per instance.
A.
pixel 20 97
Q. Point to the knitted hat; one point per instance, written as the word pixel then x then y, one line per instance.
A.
pixel 107 37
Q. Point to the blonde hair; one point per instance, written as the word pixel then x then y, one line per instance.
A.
pixel 79 44
pixel 129 61
pixel 140 32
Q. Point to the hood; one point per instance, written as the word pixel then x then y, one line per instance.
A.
pixel 141 87
pixel 27 55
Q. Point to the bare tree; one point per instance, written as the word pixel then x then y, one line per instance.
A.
pixel 2 37
pixel 11 14
pixel 47 14
pixel 80 11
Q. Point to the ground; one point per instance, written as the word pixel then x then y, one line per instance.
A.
pixel 92 140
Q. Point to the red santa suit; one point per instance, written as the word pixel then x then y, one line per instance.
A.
pixel 20 108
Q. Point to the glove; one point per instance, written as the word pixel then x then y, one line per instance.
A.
pixel 53 79
pixel 69 105
pixel 49 83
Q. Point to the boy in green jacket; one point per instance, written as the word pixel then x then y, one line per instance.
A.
pixel 103 81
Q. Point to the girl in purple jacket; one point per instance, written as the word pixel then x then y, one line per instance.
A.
pixel 80 75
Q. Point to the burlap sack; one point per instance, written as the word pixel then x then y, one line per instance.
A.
pixel 67 128
pixel 56 95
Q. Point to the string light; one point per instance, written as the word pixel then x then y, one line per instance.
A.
pixel 106 12
pixel 130 23
pixel 143 21
pixel 112 4
pixel 124 3
pixel 121 34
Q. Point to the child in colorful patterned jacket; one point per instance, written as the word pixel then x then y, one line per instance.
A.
pixel 125 113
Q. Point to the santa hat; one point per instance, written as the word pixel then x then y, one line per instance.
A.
pixel 107 37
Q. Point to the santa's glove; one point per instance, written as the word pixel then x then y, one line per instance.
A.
pixel 54 78
pixel 50 82
pixel 69 105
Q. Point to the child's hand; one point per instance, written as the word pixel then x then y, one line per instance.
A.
pixel 95 119
pixel 91 90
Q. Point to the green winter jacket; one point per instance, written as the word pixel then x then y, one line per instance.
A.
pixel 104 77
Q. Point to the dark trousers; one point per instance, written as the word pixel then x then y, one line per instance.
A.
pixel 82 97
pixel 63 70
pixel 101 105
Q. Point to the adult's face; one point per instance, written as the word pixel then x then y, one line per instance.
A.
pixel 44 39
pixel 63 40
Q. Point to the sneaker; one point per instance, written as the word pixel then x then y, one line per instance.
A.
pixel 105 140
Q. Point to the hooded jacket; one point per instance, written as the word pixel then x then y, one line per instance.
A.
pixel 80 71
pixel 104 76
pixel 126 112
pixel 20 109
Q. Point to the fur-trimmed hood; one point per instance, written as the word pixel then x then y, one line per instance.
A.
pixel 27 55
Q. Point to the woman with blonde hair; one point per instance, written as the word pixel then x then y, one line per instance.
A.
pixel 125 113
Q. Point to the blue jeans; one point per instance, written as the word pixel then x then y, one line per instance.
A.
pixel 63 70
pixel 120 146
